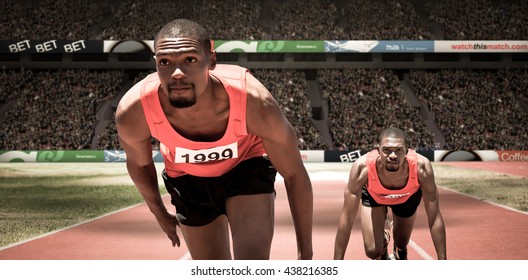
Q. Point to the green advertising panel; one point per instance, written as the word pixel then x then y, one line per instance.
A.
pixel 269 46
pixel 52 156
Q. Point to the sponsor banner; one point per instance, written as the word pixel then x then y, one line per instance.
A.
pixel 481 46
pixel 274 46
pixel 423 46
pixel 513 155
pixel 323 46
pixel 18 156
pixel 114 156
pixel 342 156
pixel 71 156
pixel 306 155
pixel 312 156
pixel 52 156
pixel 128 46
pixel 120 156
pixel 350 46
pixel 351 156
pixel 51 46
pixel 277 46
pixel 429 154
pixel 477 155
pixel 238 46
pixel 404 47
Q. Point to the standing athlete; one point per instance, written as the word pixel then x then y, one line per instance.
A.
pixel 223 138
pixel 395 177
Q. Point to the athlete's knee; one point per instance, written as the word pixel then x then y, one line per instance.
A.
pixel 252 246
pixel 379 253
pixel 255 252
pixel 372 252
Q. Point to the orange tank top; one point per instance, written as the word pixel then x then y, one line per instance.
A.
pixel 204 159
pixel 386 196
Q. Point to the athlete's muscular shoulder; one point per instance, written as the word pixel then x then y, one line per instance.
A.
pixel 263 112
pixel 130 100
pixel 258 95
pixel 358 173
pixel 130 119
pixel 425 170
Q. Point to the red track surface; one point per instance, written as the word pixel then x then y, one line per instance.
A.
pixel 476 230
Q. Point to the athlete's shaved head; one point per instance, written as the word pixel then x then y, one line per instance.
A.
pixel 393 132
pixel 184 28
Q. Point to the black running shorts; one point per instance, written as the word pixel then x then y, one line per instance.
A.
pixel 200 200
pixel 404 210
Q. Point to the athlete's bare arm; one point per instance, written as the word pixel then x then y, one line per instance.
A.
pixel 265 119
pixel 432 206
pixel 134 137
pixel 357 178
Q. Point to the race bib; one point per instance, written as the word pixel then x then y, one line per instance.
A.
pixel 205 155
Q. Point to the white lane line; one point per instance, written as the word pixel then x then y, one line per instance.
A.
pixel 69 227
pixel 420 251
pixel 186 257
pixel 485 201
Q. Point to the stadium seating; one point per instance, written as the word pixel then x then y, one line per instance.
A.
pixel 456 109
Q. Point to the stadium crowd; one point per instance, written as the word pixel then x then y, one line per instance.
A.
pixel 307 20
pixel 51 19
pixel 289 89
pixel 268 19
pixel 364 102
pixel 473 109
pixel 384 20
pixel 476 110
pixel 55 109
pixel 480 19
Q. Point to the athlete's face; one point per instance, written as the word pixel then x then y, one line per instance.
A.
pixel 392 152
pixel 183 68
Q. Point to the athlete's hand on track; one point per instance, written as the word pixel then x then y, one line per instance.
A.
pixel 168 223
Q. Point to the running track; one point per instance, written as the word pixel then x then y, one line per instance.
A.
pixel 476 230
